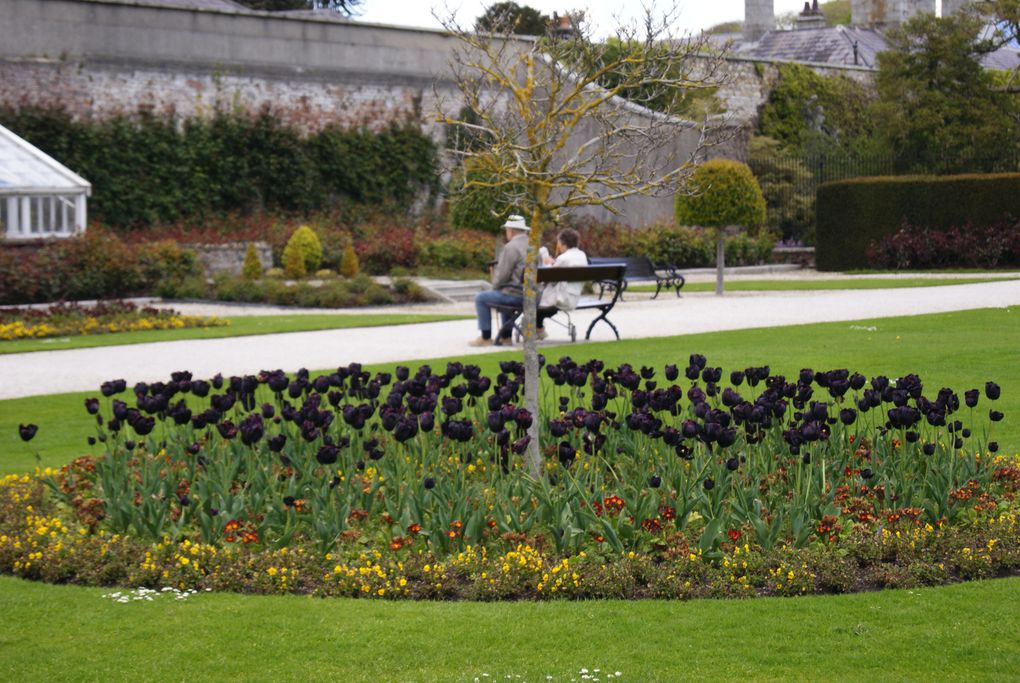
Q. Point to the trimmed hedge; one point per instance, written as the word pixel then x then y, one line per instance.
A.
pixel 852 214
pixel 148 168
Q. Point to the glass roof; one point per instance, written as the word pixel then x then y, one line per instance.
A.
pixel 27 169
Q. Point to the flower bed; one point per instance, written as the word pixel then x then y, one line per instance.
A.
pixel 358 484
pixel 104 317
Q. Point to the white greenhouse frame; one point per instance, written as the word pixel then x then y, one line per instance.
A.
pixel 40 198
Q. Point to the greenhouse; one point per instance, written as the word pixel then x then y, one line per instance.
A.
pixel 39 197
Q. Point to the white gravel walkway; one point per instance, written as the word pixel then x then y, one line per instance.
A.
pixel 85 369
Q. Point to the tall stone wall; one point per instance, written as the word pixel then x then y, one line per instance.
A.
pixel 100 57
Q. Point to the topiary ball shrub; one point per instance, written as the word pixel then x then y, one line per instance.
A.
pixel 723 192
pixel 307 244
pixel 479 207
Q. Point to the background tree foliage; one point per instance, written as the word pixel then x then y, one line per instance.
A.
pixel 520 20
pixel 938 108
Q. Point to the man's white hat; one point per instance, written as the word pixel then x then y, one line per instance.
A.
pixel 516 223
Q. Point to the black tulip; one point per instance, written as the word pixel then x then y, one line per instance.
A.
pixel 995 415
pixel 429 483
pixel 928 449
pixel 970 397
pixel 654 481
pixel 992 390
pixel 866 473
pixel 27 432
pixel 708 484
pixel 993 446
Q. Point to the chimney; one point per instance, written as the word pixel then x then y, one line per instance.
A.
pixel 759 17
pixel 810 17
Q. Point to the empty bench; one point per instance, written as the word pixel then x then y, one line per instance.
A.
pixel 608 277
pixel 640 269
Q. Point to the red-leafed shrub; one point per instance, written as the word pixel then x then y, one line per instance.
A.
pixel 958 247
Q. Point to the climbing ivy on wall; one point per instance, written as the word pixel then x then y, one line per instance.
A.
pixel 147 168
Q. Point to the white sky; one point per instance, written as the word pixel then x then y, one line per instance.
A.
pixel 694 16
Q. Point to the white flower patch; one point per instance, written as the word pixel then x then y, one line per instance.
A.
pixel 149 594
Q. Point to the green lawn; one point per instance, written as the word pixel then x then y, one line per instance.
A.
pixel 241 326
pixel 65 633
pixel 961 350
pixel 810 285
pixel 962 632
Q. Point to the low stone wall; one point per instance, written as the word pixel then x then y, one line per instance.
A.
pixel 229 258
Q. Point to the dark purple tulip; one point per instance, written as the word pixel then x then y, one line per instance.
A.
pixel 566 453
pixel 143 425
pixel 92 405
pixel 112 387
pixel 857 381
pixel 523 418
pixel 912 437
pixel 27 432
pixel 520 445
pixel 91 441
pixel 958 444
pixel 558 428
pixel 428 483
pixel 848 416
pixel 807 376
pixel 736 378
pixel 193 448
pixel 994 415
pixel 992 390
pixel 712 375
pixel 276 443
pixel 251 430
pixel 671 373
pixel 880 383
pixel 732 464
pixel 928 449
pixel 993 446
pixel 692 372
pixel 452 405
pixel 130 444
pixel 268 411
pixel 217 381
pixel 120 410
pixel 406 429
pixel 727 438
pixel 806 458
pixel 200 388
pixel 427 421
pixel 866 473
pixel 698 361
pixel 971 397
pixel 327 454
pixel 402 372
pixel 654 481
pixel 708 484
pixel 227 429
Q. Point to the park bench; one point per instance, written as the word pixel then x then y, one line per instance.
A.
pixel 641 269
pixel 608 277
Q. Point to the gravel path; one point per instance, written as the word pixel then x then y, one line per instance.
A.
pixel 85 369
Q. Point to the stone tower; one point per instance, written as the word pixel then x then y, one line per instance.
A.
pixel 888 13
pixel 759 17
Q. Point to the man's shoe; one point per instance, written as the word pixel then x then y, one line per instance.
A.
pixel 481 341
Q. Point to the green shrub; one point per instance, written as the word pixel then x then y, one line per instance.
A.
pixel 723 193
pixel 785 183
pixel 854 213
pixel 293 264
pixel 275 274
pixel 349 266
pixel 252 269
pixel 460 250
pixel 307 244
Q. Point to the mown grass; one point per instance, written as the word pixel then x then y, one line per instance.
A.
pixel 812 285
pixel 240 326
pixel 960 350
pixel 65 633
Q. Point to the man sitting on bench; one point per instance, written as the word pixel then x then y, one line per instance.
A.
pixel 507 284
pixel 561 296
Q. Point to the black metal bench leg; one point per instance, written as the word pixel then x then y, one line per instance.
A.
pixel 604 318
pixel 658 286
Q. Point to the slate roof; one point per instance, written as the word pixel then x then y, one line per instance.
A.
pixel 827 45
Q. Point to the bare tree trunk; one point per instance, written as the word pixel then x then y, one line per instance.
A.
pixel 533 456
pixel 720 261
